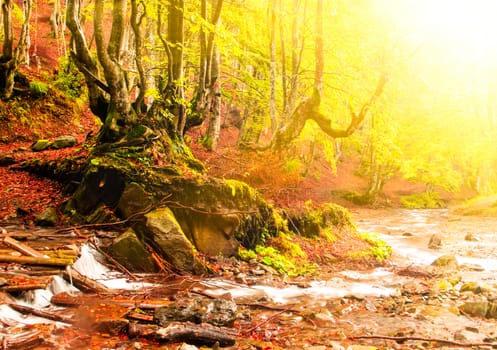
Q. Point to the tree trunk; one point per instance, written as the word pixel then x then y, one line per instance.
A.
pixel 309 107
pixel 214 126
pixel 175 89
pixel 272 66
pixel 83 59
pixel 10 58
pixel 207 101
pixel 120 115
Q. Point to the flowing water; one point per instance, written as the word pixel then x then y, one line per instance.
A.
pixel 407 231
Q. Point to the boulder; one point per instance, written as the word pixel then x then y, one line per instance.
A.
pixel 48 217
pixel 435 242
pixel 64 142
pixel 162 229
pixel 129 251
pixel 218 312
pixel 40 145
pixel 448 261
pixel 133 200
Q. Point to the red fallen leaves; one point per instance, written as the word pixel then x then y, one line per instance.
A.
pixel 24 194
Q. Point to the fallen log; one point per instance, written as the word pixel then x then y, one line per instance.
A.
pixel 66 299
pixel 31 260
pixel 22 248
pixel 197 334
pixel 28 310
pixel 84 283
pixel 22 282
pixel 23 340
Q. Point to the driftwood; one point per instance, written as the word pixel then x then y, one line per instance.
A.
pixel 27 310
pixel 65 299
pixel 198 334
pixel 84 283
pixel 22 282
pixel 23 340
pixel 22 248
pixel 31 260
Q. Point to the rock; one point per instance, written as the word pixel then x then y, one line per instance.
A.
pixel 111 326
pixel 7 160
pixel 459 336
pixel 40 145
pixel 186 346
pixel 324 318
pixel 218 312
pixel 435 242
pixel 162 228
pixel 475 308
pixel 64 142
pixel 129 251
pixel 470 237
pixel 133 200
pixel 447 261
pixel 48 217
pixel 472 287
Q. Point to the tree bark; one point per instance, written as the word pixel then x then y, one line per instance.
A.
pixel 83 59
pixel 10 58
pixel 120 116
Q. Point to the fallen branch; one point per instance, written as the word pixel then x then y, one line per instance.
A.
pixel 66 299
pixel 31 260
pixel 407 338
pixel 23 340
pixel 198 334
pixel 22 248
pixel 84 283
pixel 27 310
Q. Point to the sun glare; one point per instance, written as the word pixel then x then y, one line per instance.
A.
pixel 465 26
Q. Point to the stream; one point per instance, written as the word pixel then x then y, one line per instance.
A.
pixel 406 298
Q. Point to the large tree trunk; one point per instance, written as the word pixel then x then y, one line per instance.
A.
pixel 10 58
pixel 80 54
pixel 120 115
pixel 207 102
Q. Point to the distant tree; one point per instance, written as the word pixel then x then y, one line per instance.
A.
pixel 309 107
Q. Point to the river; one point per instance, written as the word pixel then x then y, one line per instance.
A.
pixel 384 302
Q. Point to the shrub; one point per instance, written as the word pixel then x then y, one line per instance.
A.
pixel 426 200
pixel 38 88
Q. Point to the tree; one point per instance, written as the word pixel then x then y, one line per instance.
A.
pixel 207 102
pixel 11 57
pixel 308 109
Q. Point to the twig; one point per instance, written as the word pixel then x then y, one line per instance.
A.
pixel 406 338
pixel 114 261
pixel 250 330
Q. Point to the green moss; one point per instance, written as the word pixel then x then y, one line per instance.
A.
pixel 378 249
pixel 426 200
pixel 479 206
pixel 324 221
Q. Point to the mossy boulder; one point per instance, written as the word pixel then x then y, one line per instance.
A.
pixel 212 216
pixel 40 145
pixel 448 261
pixel 162 229
pixel 64 142
pixel 130 252
pixel 48 217
pixel 320 220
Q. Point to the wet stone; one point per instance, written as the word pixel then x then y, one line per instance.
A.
pixel 435 242
pixel 48 217
pixel 446 261
pixel 218 312
pixel 470 237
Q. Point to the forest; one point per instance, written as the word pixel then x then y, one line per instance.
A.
pixel 197 131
